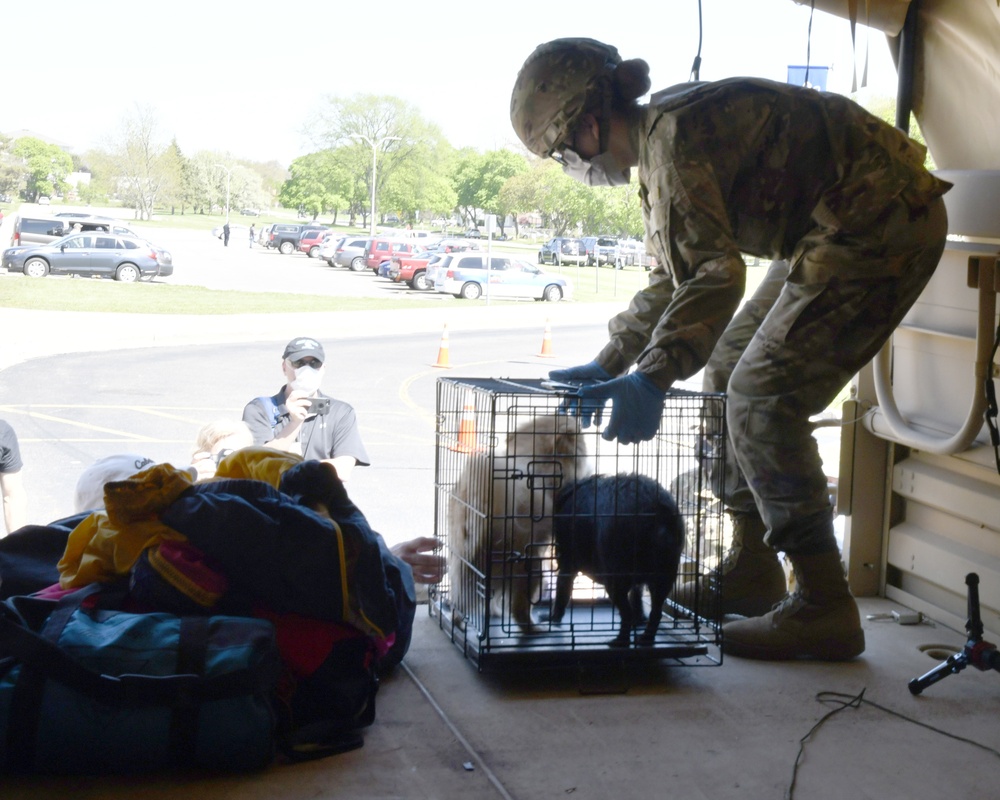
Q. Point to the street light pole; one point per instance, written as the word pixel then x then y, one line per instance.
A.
pixel 374 146
pixel 229 176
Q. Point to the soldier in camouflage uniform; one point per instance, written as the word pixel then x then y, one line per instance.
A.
pixel 855 224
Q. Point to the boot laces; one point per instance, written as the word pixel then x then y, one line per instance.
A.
pixel 789 604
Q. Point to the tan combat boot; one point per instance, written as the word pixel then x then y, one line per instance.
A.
pixel 749 581
pixel 820 620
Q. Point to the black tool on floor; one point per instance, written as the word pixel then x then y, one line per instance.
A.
pixel 982 655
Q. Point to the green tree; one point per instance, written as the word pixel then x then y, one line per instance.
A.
pixel 172 193
pixel 563 203
pixel 318 183
pixel 140 166
pixel 392 130
pixel 11 173
pixel 43 166
pixel 479 179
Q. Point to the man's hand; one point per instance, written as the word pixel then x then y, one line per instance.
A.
pixel 636 408
pixel 297 404
pixel 427 566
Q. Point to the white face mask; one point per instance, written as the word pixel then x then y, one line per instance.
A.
pixel 601 170
pixel 307 379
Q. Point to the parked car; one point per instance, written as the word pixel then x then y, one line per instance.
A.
pixel 457 245
pixel 328 247
pixel 412 269
pixel 561 250
pixel 600 250
pixel 464 275
pixel 382 249
pixel 124 258
pixel 36 229
pixel 350 252
pixel 311 238
pixel 284 237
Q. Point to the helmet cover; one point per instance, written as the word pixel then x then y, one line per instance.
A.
pixel 552 87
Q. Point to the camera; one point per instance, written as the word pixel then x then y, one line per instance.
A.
pixel 217 458
pixel 319 405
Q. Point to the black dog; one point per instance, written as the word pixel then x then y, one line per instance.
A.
pixel 623 532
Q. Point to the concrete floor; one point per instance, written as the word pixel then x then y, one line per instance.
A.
pixel 443 730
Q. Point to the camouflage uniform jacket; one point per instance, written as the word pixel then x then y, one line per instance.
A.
pixel 751 166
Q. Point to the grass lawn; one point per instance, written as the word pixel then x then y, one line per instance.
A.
pixel 111 297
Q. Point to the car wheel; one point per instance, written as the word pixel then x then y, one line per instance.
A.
pixel 286 248
pixel 127 273
pixel 420 282
pixel 357 264
pixel 472 291
pixel 552 294
pixel 313 251
pixel 36 268
pixel 330 262
pixel 540 259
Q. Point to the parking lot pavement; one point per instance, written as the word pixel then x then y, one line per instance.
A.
pixel 32 334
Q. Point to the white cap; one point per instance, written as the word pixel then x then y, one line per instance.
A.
pixel 90 484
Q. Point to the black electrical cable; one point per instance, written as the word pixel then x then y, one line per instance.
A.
pixel 991 403
pixel 856 701
pixel 809 38
pixel 696 66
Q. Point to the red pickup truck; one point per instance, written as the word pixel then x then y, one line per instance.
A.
pixel 412 270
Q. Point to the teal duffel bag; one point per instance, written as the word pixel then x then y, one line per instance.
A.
pixel 92 691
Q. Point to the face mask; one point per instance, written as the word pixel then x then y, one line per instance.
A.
pixel 307 380
pixel 601 170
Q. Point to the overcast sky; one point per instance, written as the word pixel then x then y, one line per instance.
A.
pixel 243 76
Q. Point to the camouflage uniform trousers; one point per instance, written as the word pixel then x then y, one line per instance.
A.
pixel 786 355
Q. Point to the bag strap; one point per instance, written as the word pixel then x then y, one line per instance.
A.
pixel 53 663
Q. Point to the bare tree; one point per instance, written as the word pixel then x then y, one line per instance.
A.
pixel 141 162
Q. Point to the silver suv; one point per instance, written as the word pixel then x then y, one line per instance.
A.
pixel 561 250
pixel 350 252
pixel 37 229
pixel 600 250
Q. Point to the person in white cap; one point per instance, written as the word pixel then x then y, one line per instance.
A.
pixel 90 485
pixel 300 419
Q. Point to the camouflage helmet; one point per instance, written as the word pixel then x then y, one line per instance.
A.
pixel 551 90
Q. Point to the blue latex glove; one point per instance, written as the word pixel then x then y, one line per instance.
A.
pixel 636 409
pixel 589 374
pixel 584 375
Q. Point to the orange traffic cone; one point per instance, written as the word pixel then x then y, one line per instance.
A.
pixel 443 351
pixel 546 342
pixel 467 427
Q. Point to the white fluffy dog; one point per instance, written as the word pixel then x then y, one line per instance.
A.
pixel 510 537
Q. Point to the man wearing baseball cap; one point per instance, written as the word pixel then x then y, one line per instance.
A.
pixel 301 419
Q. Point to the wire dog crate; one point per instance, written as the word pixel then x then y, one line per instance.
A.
pixel 507 453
